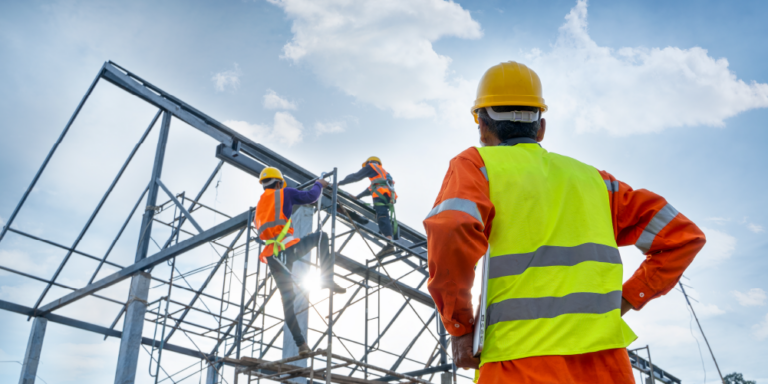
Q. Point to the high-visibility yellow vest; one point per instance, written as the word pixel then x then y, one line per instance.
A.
pixel 555 273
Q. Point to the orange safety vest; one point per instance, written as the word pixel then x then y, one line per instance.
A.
pixel 270 221
pixel 379 184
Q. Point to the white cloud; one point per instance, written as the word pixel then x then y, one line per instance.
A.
pixel 227 79
pixel 755 228
pixel 720 247
pixel 273 101
pixel 753 298
pixel 380 52
pixel 636 90
pixel 761 329
pixel 284 130
pixel 332 127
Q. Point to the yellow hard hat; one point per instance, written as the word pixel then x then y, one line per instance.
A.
pixel 509 83
pixel 372 158
pixel 271 173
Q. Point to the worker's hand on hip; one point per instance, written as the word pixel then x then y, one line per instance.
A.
pixel 323 183
pixel 462 352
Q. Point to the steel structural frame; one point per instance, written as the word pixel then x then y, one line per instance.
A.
pixel 240 152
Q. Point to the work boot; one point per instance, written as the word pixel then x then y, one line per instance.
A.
pixel 333 286
pixel 388 249
pixel 304 350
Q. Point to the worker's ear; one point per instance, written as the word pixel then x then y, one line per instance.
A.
pixel 542 130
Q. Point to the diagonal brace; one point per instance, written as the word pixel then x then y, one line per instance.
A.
pixel 181 207
pixel 216 232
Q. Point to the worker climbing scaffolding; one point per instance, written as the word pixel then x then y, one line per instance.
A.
pixel 281 250
pixel 382 190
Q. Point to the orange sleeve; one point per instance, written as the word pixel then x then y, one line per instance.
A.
pixel 669 240
pixel 457 237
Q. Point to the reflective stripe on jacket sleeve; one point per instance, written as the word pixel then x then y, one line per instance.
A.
pixel 457 229
pixel 669 240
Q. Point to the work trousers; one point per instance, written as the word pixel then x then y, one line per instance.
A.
pixel 382 214
pixel 284 280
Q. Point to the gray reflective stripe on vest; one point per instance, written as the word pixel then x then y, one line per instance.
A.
pixel 278 203
pixel 271 224
pixel 659 221
pixel 550 307
pixel 485 172
pixel 550 256
pixel 613 186
pixel 457 204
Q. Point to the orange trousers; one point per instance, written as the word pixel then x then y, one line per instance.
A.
pixel 611 366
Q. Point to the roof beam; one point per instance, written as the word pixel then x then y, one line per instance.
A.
pixel 214 233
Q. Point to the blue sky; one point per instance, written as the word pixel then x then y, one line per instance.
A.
pixel 668 96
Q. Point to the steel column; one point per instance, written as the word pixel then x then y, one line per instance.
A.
pixel 133 323
pixel 302 226
pixel 34 348
pixel 130 340
pixel 212 375
pixel 334 201
pixel 157 170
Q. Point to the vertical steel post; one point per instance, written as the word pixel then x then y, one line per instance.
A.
pixel 365 357
pixel 239 332
pixel 211 376
pixel 34 348
pixel 133 324
pixel 329 359
pixel 157 170
pixel 302 226
pixel 445 377
pixel 50 154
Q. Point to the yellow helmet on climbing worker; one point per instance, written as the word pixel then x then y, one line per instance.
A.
pixel 270 173
pixel 372 158
pixel 509 84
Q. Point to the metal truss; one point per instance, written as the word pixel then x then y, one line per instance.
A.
pixel 235 328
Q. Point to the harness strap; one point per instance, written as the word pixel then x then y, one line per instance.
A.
pixel 281 239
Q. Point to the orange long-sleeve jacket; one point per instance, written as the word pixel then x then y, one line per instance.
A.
pixel 457 240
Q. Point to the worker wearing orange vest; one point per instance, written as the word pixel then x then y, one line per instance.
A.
pixel 273 223
pixel 382 190
pixel 551 227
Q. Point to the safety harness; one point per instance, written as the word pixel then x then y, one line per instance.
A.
pixel 382 182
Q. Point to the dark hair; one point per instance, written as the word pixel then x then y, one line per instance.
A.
pixel 273 185
pixel 505 129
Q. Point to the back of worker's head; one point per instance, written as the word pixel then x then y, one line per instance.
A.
pixel 505 129
pixel 272 184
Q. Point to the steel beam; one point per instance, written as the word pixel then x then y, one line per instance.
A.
pixel 360 270
pixel 34 349
pixel 85 326
pixel 216 232
pixel 98 208
pixel 420 372
pixel 50 154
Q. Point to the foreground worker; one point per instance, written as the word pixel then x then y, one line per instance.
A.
pixel 273 223
pixel 553 225
pixel 382 192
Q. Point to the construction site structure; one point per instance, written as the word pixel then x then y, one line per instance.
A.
pixel 231 332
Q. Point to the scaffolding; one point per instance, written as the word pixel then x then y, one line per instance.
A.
pixel 232 331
